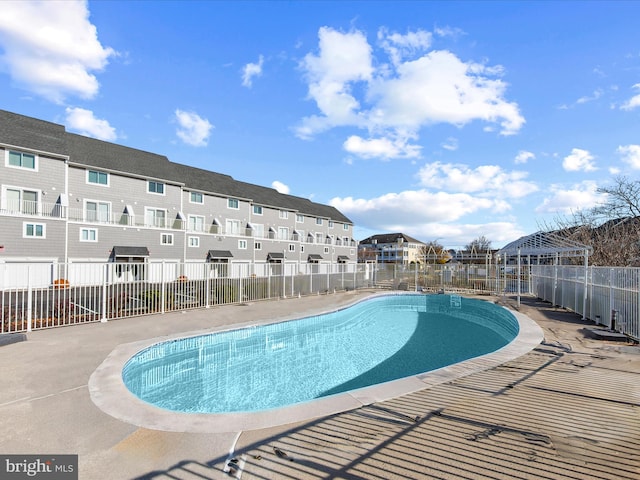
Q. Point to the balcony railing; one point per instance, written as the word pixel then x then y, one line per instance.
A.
pixel 56 210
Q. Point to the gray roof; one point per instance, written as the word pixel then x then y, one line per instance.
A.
pixel 130 251
pixel 219 254
pixel 117 158
pixel 31 133
pixel 18 130
pixel 389 238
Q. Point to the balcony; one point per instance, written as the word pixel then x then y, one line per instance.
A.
pixel 107 217
pixel 32 208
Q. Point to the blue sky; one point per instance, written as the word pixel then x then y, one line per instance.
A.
pixel 442 120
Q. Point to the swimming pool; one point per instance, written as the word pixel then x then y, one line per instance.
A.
pixel 378 340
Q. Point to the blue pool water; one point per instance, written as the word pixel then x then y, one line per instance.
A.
pixel 258 368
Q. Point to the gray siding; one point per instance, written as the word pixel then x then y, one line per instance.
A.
pixel 16 245
pixel 63 193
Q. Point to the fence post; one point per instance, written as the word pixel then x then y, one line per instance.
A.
pixel 163 289
pixel 207 284
pixel 611 295
pixel 29 299
pixel 284 282
pixel 105 276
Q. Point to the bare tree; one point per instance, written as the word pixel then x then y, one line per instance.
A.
pixel 621 201
pixel 611 228
pixel 480 245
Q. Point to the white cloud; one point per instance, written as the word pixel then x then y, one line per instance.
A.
pixel 399 46
pixel 251 70
pixel 630 155
pixel 84 122
pixel 579 160
pixel 451 144
pixel 633 102
pixel 440 88
pixel 384 148
pixel 398 99
pixel 410 207
pixel 427 216
pixel 570 199
pixel 343 58
pixel 484 180
pixel 193 129
pixel 589 98
pixel 280 187
pixel 51 48
pixel 523 156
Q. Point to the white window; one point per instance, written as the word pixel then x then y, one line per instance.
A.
pixel 20 200
pixel 34 230
pixel 155 187
pixel 258 230
pixel 283 233
pixel 345 226
pixel 196 223
pixel 232 227
pixel 166 238
pixel 233 203
pixel 194 242
pixel 330 223
pixel 284 214
pixel 345 240
pixel 28 161
pixel 319 238
pixel 88 234
pixel 97 211
pixel 196 197
pixel 299 218
pixel 155 217
pixel 292 247
pixel 97 178
pixel 318 221
pixel 257 246
pixel 326 249
pixel 257 210
pixel 242 244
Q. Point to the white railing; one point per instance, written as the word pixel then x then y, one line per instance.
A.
pixel 40 295
pixel 51 295
pixel 56 210
pixel 609 296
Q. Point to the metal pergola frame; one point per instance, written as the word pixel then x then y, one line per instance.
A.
pixel 547 245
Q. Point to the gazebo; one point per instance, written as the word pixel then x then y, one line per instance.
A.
pixel 544 247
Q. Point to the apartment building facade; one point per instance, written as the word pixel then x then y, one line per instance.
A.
pixel 391 248
pixel 69 198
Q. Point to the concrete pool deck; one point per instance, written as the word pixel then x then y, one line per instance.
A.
pixel 570 408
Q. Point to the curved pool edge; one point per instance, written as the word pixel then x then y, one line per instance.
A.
pixel 109 393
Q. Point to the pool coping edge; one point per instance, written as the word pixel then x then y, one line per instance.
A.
pixel 109 393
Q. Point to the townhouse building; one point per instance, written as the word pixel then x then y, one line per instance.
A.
pixel 391 248
pixel 69 198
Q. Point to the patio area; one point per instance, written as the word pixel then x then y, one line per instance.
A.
pixel 567 409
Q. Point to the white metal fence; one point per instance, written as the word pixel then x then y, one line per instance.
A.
pixel 609 296
pixel 42 295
